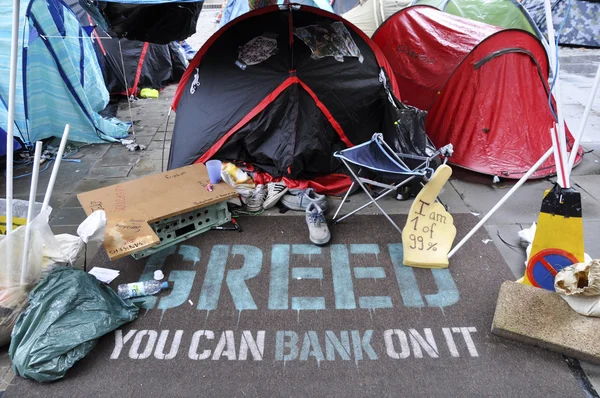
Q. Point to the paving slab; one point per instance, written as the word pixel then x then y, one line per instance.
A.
pixel 110 172
pixel 67 216
pixel 91 151
pixel 57 200
pixel 125 159
pixel 589 165
pixel 69 175
pixel 89 184
pixel 145 166
pixel 589 183
pixel 539 317
pixel 506 239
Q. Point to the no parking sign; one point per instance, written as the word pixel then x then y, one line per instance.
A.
pixel 544 265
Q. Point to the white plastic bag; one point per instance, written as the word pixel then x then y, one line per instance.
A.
pixel 579 286
pixel 90 230
pixel 45 251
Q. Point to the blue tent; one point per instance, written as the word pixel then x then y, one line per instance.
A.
pixel 235 8
pixel 59 80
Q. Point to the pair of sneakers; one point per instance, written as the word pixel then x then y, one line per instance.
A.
pixel 300 199
pixel 314 205
pixel 265 197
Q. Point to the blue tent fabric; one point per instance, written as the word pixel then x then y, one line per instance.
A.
pixel 3 134
pixel 581 29
pixel 235 8
pixel 59 80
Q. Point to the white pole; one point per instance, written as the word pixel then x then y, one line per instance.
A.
pixel 562 140
pixel 59 155
pixel 10 131
pixel 32 195
pixel 584 120
pixel 501 202
pixel 560 171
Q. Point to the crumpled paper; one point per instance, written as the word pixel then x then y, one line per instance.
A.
pixel 579 286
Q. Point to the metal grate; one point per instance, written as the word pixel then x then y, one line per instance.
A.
pixel 176 229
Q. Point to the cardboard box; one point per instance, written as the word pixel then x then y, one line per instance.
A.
pixel 132 205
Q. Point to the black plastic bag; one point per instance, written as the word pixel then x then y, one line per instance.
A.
pixel 68 312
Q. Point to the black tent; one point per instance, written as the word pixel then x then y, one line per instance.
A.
pixel 147 65
pixel 288 113
pixel 154 22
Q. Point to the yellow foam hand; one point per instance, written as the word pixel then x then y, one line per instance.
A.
pixel 429 231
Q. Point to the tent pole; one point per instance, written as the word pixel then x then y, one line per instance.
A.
pixel 59 155
pixel 32 195
pixel 584 120
pixel 10 133
pixel 501 202
pixel 562 136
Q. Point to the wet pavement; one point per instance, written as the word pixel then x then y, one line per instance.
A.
pixel 100 165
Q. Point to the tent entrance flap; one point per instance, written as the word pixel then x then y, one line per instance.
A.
pixel 270 137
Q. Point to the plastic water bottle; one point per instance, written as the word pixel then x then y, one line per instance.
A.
pixel 139 289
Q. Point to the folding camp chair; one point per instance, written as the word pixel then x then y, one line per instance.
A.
pixel 376 155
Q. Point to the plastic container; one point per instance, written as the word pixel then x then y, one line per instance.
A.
pixel 214 171
pixel 139 289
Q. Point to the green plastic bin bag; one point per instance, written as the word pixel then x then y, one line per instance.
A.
pixel 68 312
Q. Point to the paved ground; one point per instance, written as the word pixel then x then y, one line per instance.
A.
pixel 107 164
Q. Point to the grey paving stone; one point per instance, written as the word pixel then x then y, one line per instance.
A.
pixel 91 151
pixel 126 159
pixel 6 377
pixel 56 201
pixel 591 237
pixel 67 216
pixel 110 172
pixel 506 239
pixel 541 318
pixel 143 140
pixel 590 164
pixel 145 167
pixel 90 184
pixel 117 150
pixel 68 177
pixel 589 183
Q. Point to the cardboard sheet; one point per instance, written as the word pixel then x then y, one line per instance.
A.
pixel 132 205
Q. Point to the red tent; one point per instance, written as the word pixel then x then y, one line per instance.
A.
pixel 485 88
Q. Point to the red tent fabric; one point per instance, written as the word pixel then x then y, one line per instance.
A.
pixel 485 88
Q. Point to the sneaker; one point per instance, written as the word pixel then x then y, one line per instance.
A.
pixel 301 199
pixel 275 190
pixel 255 201
pixel 318 231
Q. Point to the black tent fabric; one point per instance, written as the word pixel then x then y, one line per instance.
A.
pixel 285 115
pixel 155 23
pixel 143 64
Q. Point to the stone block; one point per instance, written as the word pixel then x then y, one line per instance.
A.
pixel 542 318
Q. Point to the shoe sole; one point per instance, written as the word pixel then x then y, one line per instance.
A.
pixel 273 201
pixel 320 242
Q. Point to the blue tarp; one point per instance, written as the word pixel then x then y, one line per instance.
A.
pixel 235 8
pixel 59 80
